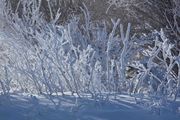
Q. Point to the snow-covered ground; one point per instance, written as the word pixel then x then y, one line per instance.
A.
pixel 26 107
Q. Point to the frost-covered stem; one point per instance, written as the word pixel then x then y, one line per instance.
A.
pixel 5 84
pixel 116 81
pixel 3 87
pixel 36 82
pixel 50 9
pixel 178 78
pixel 91 76
pixel 87 19
pixel 57 16
pixel 115 24
pixel 66 79
pixel 74 80
pixel 171 26
pixel 61 85
pixel 46 81
pixel 107 65
pixel 108 8
pixel 124 38
pixel 8 80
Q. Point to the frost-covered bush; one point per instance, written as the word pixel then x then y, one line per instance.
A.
pixel 48 58
pixel 157 73
pixel 55 58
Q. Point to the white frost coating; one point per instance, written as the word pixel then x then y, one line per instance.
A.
pixel 86 60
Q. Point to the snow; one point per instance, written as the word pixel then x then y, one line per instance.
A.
pixel 29 107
